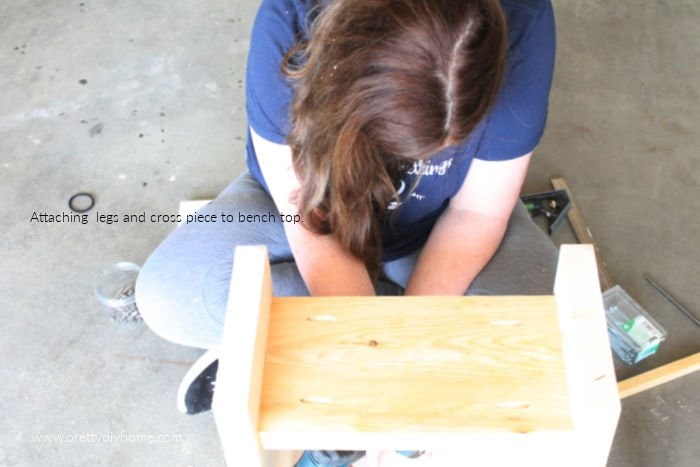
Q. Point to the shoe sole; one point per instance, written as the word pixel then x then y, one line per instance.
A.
pixel 201 364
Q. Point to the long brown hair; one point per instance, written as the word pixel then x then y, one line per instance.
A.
pixel 381 82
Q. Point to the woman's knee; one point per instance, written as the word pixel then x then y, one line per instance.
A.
pixel 172 299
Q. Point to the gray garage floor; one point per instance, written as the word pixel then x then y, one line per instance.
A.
pixel 141 103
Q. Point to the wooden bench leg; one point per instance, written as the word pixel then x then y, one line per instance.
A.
pixel 595 405
pixel 242 354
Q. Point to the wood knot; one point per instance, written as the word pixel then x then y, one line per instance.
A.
pixel 373 343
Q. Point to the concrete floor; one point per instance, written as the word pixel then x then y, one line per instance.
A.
pixel 141 103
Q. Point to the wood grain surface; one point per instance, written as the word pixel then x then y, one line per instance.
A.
pixel 367 371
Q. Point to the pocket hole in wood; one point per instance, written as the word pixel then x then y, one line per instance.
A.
pixel 513 405
pixel 316 400
pixel 321 318
pixel 506 322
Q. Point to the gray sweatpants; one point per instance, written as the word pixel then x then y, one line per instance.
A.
pixel 182 289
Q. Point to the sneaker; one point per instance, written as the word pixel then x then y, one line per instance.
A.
pixel 329 458
pixel 196 390
pixel 306 461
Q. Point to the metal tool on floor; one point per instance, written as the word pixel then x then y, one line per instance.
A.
pixel 554 205
pixel 670 298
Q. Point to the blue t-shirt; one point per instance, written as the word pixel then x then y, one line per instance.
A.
pixel 512 128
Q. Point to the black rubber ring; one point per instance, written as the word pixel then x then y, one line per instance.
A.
pixel 79 195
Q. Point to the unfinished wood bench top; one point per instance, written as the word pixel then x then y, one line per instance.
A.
pixel 524 379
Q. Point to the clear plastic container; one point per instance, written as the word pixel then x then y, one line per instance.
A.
pixel 634 334
pixel 114 288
